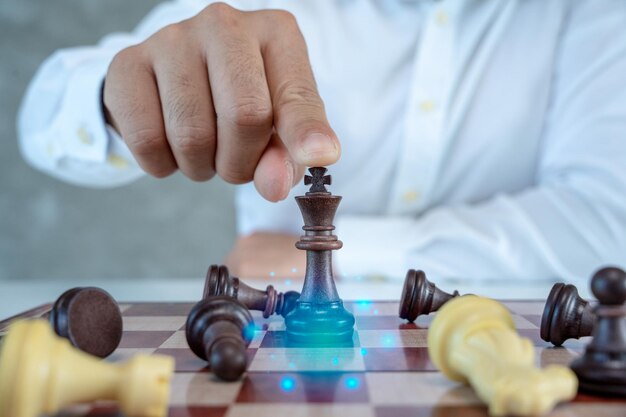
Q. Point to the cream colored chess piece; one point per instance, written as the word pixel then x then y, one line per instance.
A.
pixel 40 373
pixel 473 339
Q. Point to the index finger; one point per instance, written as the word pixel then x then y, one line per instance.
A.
pixel 299 114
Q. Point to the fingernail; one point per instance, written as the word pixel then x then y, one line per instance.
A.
pixel 319 146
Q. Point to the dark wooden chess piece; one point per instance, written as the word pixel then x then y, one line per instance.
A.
pixel 218 330
pixel 602 368
pixel 319 315
pixel 566 315
pixel 89 318
pixel 220 282
pixel 420 296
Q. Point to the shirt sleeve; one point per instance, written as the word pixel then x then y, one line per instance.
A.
pixel 572 221
pixel 61 126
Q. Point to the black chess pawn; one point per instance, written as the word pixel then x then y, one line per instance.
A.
pixel 566 315
pixel 319 316
pixel 218 330
pixel 220 282
pixel 420 296
pixel 89 318
pixel 602 368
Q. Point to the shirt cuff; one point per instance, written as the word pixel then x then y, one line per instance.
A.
pixel 374 246
pixel 82 118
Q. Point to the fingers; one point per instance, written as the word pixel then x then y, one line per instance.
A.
pixel 240 95
pixel 276 172
pixel 132 101
pixel 299 115
pixel 185 96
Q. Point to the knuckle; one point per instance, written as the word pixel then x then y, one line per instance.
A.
pixel 234 176
pixel 294 93
pixel 192 139
pixel 253 113
pixel 161 171
pixel 219 12
pixel 144 142
pixel 286 19
pixel 173 34
pixel 198 176
pixel 125 59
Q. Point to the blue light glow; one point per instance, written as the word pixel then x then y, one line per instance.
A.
pixel 376 312
pixel 272 273
pixel 287 384
pixel 292 365
pixel 250 331
pixel 363 351
pixel 388 341
pixel 351 383
pixel 335 361
pixel 287 282
pixel 294 270
pixel 364 304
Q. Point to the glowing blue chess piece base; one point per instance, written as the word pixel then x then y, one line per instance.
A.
pixel 324 323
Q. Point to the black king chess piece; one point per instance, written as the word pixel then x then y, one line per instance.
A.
pixel 602 368
pixel 319 316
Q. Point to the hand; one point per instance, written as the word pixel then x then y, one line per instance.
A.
pixel 262 255
pixel 226 92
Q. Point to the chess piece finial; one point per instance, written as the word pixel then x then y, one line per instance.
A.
pixel 473 340
pixel 566 315
pixel 41 373
pixel 317 180
pixel 602 368
pixel 89 318
pixel 319 315
pixel 220 282
pixel 218 330
pixel 420 296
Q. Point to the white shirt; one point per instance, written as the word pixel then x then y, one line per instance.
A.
pixel 480 138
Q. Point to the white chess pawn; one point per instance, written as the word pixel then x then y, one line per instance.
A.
pixel 473 340
pixel 40 373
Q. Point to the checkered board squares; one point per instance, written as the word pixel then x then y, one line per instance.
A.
pixel 385 372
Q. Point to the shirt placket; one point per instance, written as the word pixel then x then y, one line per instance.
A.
pixel 424 120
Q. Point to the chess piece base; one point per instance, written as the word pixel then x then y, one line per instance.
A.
pixel 601 378
pixel 319 323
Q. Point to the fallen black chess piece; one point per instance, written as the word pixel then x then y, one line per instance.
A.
pixel 420 296
pixel 89 318
pixel 218 330
pixel 566 315
pixel 220 282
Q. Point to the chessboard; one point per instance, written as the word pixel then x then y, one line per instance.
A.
pixel 386 372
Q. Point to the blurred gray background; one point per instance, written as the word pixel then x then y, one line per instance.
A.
pixel 50 230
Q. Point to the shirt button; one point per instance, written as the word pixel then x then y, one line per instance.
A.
pixel 442 18
pixel 427 106
pixel 84 136
pixel 117 161
pixel 410 196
